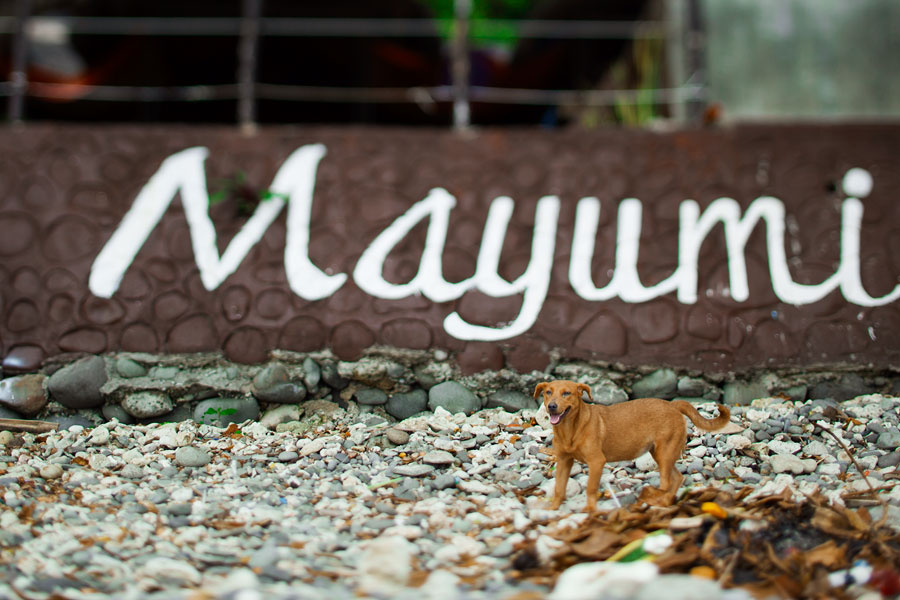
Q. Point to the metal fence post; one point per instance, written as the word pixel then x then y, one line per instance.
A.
pixel 19 74
pixel 247 62
pixel 462 11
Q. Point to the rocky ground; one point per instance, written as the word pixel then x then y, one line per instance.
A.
pixel 346 502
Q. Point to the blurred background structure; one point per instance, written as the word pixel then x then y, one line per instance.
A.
pixel 442 62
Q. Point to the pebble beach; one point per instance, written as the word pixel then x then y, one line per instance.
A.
pixel 436 506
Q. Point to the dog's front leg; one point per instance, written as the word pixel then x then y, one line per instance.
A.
pixel 595 472
pixel 563 468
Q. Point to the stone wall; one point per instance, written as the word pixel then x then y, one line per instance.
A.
pixel 345 239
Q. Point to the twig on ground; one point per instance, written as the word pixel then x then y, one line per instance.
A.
pixel 27 426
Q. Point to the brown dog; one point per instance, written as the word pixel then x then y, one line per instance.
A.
pixel 597 434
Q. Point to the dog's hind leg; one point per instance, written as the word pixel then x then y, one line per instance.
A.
pixel 669 477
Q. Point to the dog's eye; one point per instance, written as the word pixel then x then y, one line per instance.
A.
pixel 567 393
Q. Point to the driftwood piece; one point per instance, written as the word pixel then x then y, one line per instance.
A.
pixel 29 426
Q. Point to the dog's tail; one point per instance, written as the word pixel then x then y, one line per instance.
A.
pixel 688 410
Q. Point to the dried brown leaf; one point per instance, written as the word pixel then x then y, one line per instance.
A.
pixel 829 555
pixel 598 545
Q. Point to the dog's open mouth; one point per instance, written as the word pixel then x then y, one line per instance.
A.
pixel 555 419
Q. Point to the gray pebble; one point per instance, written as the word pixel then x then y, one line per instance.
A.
pixel 191 456
pixel 889 440
pixel 396 436
pixel 413 470
pixel 288 456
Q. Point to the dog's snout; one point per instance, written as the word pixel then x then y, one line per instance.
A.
pixel 552 407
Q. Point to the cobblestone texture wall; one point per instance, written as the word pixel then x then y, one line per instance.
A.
pixel 64 191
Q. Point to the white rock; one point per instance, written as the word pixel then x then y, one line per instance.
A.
pixel 698 452
pixel 99 462
pixel 645 462
pixel 783 447
pixel 99 436
pixel 737 442
pixel 438 457
pixel 312 446
pixel 441 420
pixel 756 416
pixel 543 418
pixel 51 471
pixel 788 463
pixel 864 407
pixel 440 585
pixel 458 548
pixel 447 444
pixel 160 570
pixel 476 487
pixel 238 579
pixel 385 565
pixel 182 494
pixel 588 581
pixel 816 448
pixel 356 487
pixel 832 469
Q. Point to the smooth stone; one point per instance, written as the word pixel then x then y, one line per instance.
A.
pixel 51 471
pixel 889 440
pixel 223 411
pixel 147 404
pixel 331 376
pixel 191 456
pixel 288 456
pixel 606 392
pixel 273 384
pixel 413 470
pixel 396 436
pixel 285 413
pixel 23 358
pixel 888 460
pixel 453 397
pixel 6 437
pixel 129 369
pixel 285 393
pixel 741 393
pixel 510 401
pixel 130 471
pixel 78 385
pixel 443 482
pixel 658 384
pixel 370 397
pixel 846 387
pixel 114 411
pixel 788 463
pixel 181 412
pixel 403 406
pixel 25 394
pixel 312 373
pixel 438 457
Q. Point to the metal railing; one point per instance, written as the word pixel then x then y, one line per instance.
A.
pixel 681 31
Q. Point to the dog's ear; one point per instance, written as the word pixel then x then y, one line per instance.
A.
pixel 584 388
pixel 540 389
